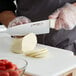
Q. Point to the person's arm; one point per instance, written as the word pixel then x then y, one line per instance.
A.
pixel 7 8
pixel 6 17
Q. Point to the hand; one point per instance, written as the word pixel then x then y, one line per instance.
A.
pixel 65 17
pixel 18 21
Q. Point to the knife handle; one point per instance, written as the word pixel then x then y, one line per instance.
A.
pixel 52 23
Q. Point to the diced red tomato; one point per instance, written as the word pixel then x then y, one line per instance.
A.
pixel 2 67
pixel 4 74
pixel 9 66
pixel 3 61
pixel 6 65
pixel 14 73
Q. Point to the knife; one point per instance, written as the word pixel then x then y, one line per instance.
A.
pixel 39 27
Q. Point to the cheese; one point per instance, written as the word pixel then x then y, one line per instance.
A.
pixel 40 53
pixel 25 44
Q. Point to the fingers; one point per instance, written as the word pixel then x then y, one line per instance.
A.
pixel 55 14
pixel 24 20
pixel 61 23
pixel 18 21
pixel 57 24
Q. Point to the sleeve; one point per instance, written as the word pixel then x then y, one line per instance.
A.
pixel 7 5
pixel 72 1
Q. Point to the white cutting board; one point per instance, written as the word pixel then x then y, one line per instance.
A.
pixel 58 62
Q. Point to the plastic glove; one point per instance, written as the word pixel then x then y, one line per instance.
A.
pixel 18 21
pixel 65 17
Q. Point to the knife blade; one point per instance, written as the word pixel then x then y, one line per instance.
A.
pixel 39 27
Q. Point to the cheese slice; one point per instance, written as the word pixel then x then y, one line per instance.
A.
pixel 40 53
pixel 25 44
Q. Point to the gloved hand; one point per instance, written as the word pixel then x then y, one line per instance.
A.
pixel 18 21
pixel 65 17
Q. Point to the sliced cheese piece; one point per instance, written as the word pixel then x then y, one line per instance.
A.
pixel 29 42
pixel 25 44
pixel 39 53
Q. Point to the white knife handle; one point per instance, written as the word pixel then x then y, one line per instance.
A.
pixel 52 23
